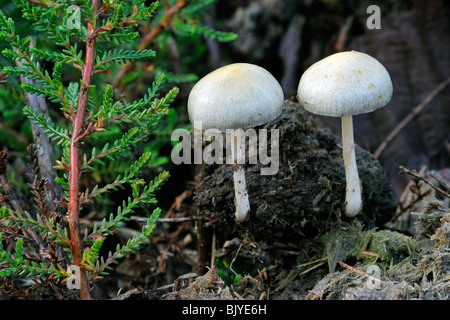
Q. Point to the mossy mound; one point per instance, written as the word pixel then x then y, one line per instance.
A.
pixel 305 197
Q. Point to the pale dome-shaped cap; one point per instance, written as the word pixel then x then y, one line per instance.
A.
pixel 345 84
pixel 239 95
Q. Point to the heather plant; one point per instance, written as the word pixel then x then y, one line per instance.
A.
pixel 84 42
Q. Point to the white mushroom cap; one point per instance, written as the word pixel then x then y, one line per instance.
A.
pixel 345 84
pixel 238 95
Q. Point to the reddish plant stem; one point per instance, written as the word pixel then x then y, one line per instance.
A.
pixel 74 169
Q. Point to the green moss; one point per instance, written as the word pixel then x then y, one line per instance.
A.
pixel 342 243
pixel 351 242
pixel 391 247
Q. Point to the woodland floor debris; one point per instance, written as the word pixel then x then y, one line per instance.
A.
pixel 424 274
pixel 211 287
pixel 296 228
pixel 387 265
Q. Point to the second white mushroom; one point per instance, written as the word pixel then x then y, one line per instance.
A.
pixel 343 85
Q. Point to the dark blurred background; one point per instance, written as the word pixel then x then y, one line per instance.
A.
pixel 413 43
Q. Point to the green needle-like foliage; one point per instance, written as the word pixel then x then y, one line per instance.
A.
pixel 56 71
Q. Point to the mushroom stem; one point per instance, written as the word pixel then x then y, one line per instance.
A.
pixel 353 202
pixel 240 189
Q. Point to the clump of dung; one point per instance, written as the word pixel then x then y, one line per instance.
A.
pixel 305 197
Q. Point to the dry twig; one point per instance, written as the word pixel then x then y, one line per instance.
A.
pixel 44 153
pixel 3 77
pixel 418 109
pixel 420 178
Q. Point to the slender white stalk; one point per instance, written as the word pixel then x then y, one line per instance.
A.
pixel 353 203
pixel 240 189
